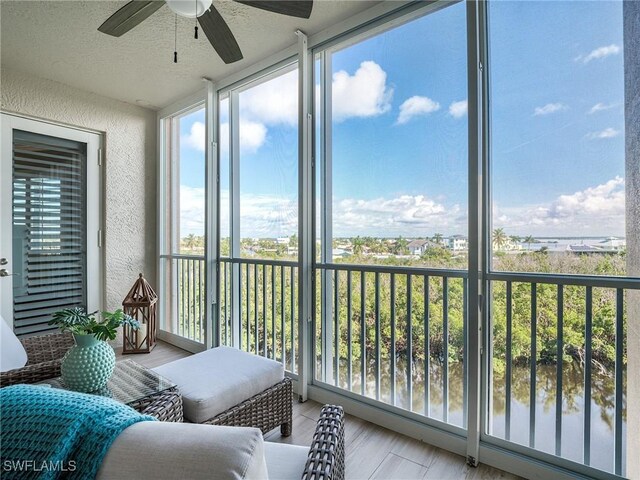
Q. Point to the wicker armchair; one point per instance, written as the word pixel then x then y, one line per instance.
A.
pixel 44 354
pixel 326 456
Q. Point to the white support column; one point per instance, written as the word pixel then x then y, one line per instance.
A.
pixel 327 217
pixel 234 198
pixel 476 222
pixel 212 195
pixel 305 217
pixel 631 15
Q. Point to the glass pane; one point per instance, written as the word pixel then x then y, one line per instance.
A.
pixel 557 137
pixel 225 205
pixel 559 363
pixel 268 140
pixel 191 177
pixel 396 195
pixel 399 145
pixel 49 228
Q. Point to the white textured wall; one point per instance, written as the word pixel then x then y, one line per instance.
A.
pixel 130 163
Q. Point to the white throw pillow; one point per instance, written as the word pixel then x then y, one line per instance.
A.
pixel 12 353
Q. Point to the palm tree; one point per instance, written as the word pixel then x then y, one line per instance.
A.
pixel 400 247
pixel 358 243
pixel 190 241
pixel 529 240
pixel 499 239
pixel 437 237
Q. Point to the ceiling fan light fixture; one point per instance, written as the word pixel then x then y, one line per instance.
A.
pixel 189 8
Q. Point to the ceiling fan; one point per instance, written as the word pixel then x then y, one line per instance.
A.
pixel 212 23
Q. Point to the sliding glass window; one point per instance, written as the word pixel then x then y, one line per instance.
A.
pixel 391 115
pixel 558 229
pixel 182 256
pixel 259 215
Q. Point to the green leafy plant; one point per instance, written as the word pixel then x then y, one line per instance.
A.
pixel 78 321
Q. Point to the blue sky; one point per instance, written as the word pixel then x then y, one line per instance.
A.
pixel 400 129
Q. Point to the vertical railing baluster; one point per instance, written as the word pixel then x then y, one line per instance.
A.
pixel 588 329
pixel 445 343
pixel 199 304
pixel 465 365
pixel 377 345
pixel 409 346
pixel 188 298
pixel 264 310
pixel 336 328
pixel 534 355
pixel 255 308
pixel 392 313
pixel 240 307
pixel 618 381
pixel 181 284
pixel 248 297
pixel 293 321
pixel 559 358
pixel 224 296
pixel 283 354
pixel 363 350
pixel 509 359
pixel 427 350
pixel 349 348
pixel 273 312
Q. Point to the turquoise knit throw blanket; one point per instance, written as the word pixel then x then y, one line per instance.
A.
pixel 51 433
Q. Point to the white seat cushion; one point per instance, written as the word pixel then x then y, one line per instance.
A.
pixel 285 462
pixel 12 353
pixel 168 451
pixel 215 380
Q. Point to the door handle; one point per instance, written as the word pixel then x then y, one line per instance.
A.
pixel 3 261
pixel 5 273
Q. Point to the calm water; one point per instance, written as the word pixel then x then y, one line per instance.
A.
pixel 602 404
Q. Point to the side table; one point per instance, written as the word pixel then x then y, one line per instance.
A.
pixel 140 388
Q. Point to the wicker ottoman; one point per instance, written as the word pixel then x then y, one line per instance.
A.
pixel 226 386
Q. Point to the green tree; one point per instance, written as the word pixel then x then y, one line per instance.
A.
pixel 401 246
pixel 437 238
pixel 358 244
pixel 529 240
pixel 499 239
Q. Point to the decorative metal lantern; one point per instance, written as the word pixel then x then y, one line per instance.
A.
pixel 140 303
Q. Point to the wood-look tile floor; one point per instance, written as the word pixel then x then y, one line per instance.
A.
pixel 372 452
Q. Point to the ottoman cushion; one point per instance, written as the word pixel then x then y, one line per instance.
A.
pixel 217 379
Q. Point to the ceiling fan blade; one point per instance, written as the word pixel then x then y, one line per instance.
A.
pixel 220 36
pixel 293 8
pixel 132 14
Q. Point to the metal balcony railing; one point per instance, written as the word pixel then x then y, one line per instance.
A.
pixel 395 334
pixel 190 296
pixel 266 307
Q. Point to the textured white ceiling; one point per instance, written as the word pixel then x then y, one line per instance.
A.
pixel 59 40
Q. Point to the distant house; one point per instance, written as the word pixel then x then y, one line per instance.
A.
pixel 457 243
pixel 418 247
pixel 282 241
pixel 613 244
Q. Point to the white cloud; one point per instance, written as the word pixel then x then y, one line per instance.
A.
pixel 599 53
pixel 252 136
pixel 196 137
pixel 409 215
pixel 416 106
pixel 458 109
pixel 192 201
pixel 363 94
pixel 273 102
pixel 600 107
pixel 598 210
pixel 549 108
pixel 604 134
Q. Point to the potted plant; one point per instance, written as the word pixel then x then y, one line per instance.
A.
pixel 88 365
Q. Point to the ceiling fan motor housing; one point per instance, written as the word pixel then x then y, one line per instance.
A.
pixel 189 8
